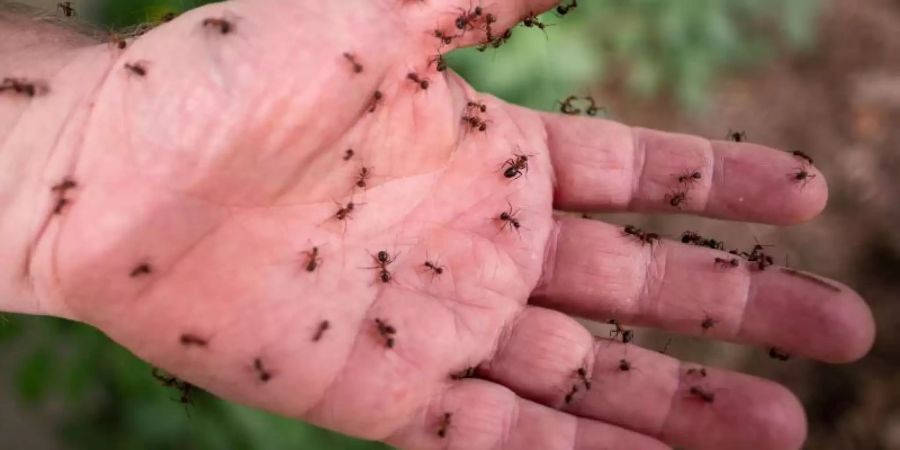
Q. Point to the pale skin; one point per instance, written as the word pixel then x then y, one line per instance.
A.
pixel 202 186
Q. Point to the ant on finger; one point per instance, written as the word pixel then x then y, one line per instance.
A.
pixel 23 86
pixel 138 68
pixel 192 340
pixel 262 373
pixel 676 199
pixel 619 331
pixel 645 238
pixel 475 123
pixel 348 154
pixel 478 106
pixel 313 261
pixel 376 99
pixel 727 262
pixel 446 39
pixel 592 109
pixel 582 375
pixel 140 270
pixel 223 25
pixel 444 425
pixel 737 135
pixel 466 20
pixel 802 176
pixel 803 156
pixel 439 62
pixel 468 372
pixel 625 365
pixel 708 322
pixel 183 387
pixel 777 353
pixel 697 371
pixel 690 177
pixel 571 394
pixel 423 83
pixel 386 331
pixel 567 107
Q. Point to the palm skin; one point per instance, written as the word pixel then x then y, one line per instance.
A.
pixel 204 185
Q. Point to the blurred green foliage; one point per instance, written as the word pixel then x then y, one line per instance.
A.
pixel 108 398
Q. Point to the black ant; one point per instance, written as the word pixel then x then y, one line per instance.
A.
pixel 183 387
pixel 141 269
pixel 516 167
pixel 476 106
pixel 382 260
pixel 344 212
pixel 423 83
pixel 475 123
pixel 645 238
pixel 137 68
pixel 697 371
pixel 802 176
pixel 434 267
pixel 693 238
pixel 357 67
pixel 582 375
pixel 320 330
pixel 348 154
pixel 531 20
pixel 376 99
pixel 439 62
pixel 676 199
pixel 468 372
pixel 386 331
pixel 702 394
pixel 64 186
pixel 445 424
pixel 690 177
pixel 802 156
pixel 777 353
pixel 566 106
pixel 509 219
pixel 624 365
pixel 626 334
pixel 497 41
pixel 737 136
pixel 467 19
pixel 592 109
pixel 564 9
pixel 261 372
pixel 727 262
pixel 224 25
pixel 192 340
pixel 363 176
pixel 571 394
pixel 445 38
pixel 67 9
pixel 759 257
pixel 708 322
pixel 313 261
pixel 23 87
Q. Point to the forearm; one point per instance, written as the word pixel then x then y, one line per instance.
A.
pixel 49 73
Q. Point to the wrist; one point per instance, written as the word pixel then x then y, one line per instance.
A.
pixel 42 112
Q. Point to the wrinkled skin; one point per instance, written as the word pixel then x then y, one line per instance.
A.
pixel 221 168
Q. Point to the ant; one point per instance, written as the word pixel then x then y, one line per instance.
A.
pixel 690 177
pixel 344 212
pixel 624 365
pixel 61 204
pixel 467 19
pixel 357 67
pixel 475 123
pixel 434 267
pixel 476 106
pixel 362 177
pixel 445 423
pixel 802 176
pixel 439 62
pixel 582 375
pixel 64 186
pixel 737 135
pixel 22 86
pixel 261 372
pixel 191 340
pixel 708 322
pixel 183 387
pixel 423 83
pixel 516 167
pixel 627 335
pixel 376 99
pixel 564 9
pixel 445 38
pixel 118 41
pixel 592 109
pixel 497 41
pixel 141 269
pixel 137 68
pixel 386 331
pixel 348 154
pixel 726 263
pixel 382 260
pixel 571 394
pixel 702 394
pixel 468 372
pixel 67 9
pixel 566 106
pixel 223 25
pixel 777 353
pixel 320 330
pixel 695 371
pixel 313 261
pixel 676 199
pixel 531 20
pixel 645 238
pixel 509 219
pixel 757 256
pixel 803 156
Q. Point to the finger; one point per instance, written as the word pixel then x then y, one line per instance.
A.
pixel 603 165
pixel 484 415
pixel 541 358
pixel 599 272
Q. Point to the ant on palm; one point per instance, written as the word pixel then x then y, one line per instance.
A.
pixel 362 177
pixel 626 334
pixel 320 330
pixel 261 372
pixel 475 122
pixel 625 365
pixel 445 424
pixel 138 68
pixel 466 20
pixel 23 87
pixel 508 218
pixel 344 212
pixel 676 199
pixel 313 261
pixel 183 387
pixel 571 394
pixel 386 331
pixel 690 177
pixel 434 267
pixel 415 78
pixel 516 167
pixel 141 269
pixel 348 154
pixel 382 260
pixel 357 67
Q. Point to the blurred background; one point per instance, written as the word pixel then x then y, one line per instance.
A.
pixel 821 76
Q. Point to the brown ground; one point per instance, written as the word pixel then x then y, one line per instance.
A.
pixel 841 104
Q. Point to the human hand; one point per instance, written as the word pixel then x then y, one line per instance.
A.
pixel 204 181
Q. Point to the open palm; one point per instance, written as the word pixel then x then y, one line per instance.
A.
pixel 287 203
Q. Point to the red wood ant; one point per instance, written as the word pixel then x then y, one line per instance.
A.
pixel 382 260
pixel 224 25
pixel 434 268
pixel 357 67
pixel 737 136
pixel 141 269
pixel 445 424
pixel 645 238
pixel 320 330
pixel 516 167
pixel 702 394
pixel 376 99
pixel 567 107
pixel 183 387
pixel 508 219
pixel 466 20
pixel 497 41
pixel 777 353
pixel 345 212
pixel 138 68
pixel 67 9
pixel 386 331
pixel 531 20
pixel 727 262
pixel 192 340
pixel 423 83
pixel 261 372
pixel 803 156
pixel 564 9
pixel 676 199
pixel 362 177
pixel 313 261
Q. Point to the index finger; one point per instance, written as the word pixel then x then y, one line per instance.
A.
pixel 606 166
